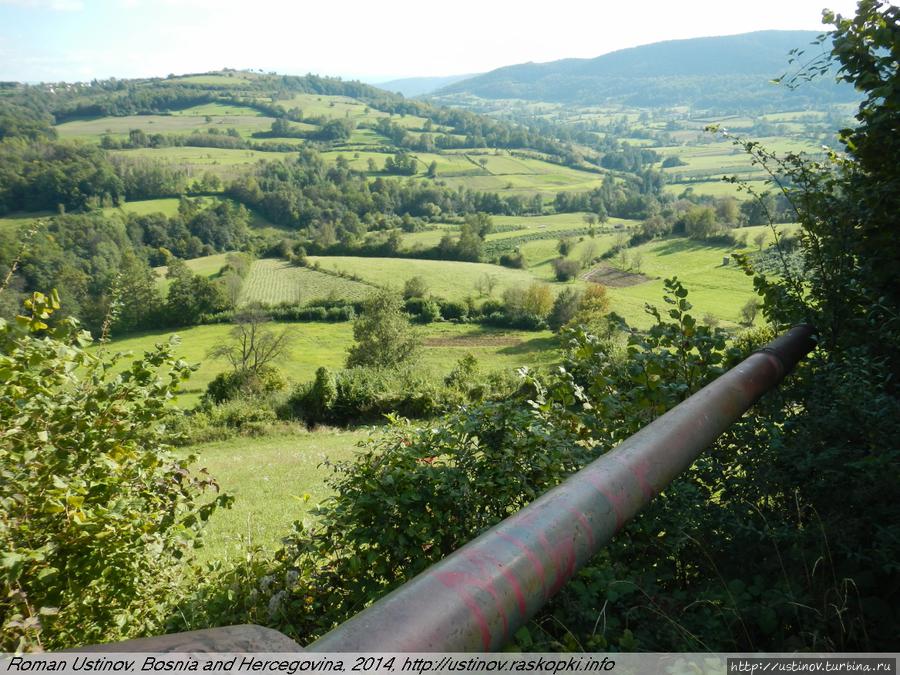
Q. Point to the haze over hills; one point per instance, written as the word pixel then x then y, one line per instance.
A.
pixel 418 86
pixel 721 74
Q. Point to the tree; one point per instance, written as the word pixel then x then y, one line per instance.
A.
pixel 759 211
pixel 191 296
pixel 588 253
pixel 637 261
pixel 760 239
pixel 749 312
pixel 415 287
pixel 481 223
pixel 564 246
pixel 565 307
pixel 593 307
pixel 470 242
pixel 727 211
pixel 136 294
pixel 487 283
pixel 254 345
pixel 383 334
pixel 700 222
pixel 565 269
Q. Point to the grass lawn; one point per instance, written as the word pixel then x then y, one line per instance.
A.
pixel 92 129
pixel 274 480
pixel 325 344
pixel 11 222
pixel 274 281
pixel 449 279
pixel 717 289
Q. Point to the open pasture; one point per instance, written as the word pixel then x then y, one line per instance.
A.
pixel 312 345
pixel 549 225
pixel 224 163
pixel 547 179
pixel 207 266
pixel 540 254
pixel 93 129
pixel 715 188
pixel 12 222
pixel 217 110
pixel 315 105
pixel 274 281
pixel 716 289
pixel 169 207
pixel 229 78
pixel 448 279
pixel 274 481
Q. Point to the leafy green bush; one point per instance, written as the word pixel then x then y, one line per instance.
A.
pixel 453 310
pixel 383 335
pixel 423 310
pixel 232 384
pixel 247 415
pixel 96 510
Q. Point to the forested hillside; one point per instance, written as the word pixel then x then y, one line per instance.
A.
pixel 720 75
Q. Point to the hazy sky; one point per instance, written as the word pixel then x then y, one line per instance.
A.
pixel 51 40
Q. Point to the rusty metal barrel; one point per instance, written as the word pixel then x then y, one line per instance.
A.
pixel 477 597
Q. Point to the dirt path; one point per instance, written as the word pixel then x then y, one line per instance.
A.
pixel 613 277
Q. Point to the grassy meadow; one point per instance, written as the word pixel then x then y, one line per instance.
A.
pixel 314 344
pixel 274 481
pixel 276 281
pixel 246 123
pixel 449 279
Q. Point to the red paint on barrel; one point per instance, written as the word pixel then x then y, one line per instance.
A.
pixel 617 501
pixel 586 526
pixel 535 561
pixel 640 471
pixel 454 580
pixel 563 557
pixel 485 581
pixel 511 580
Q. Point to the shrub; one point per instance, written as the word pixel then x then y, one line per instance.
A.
pixel 565 307
pixel 247 415
pixel 96 508
pixel 565 269
pixel 514 260
pixel 424 310
pixel 454 310
pixel 232 384
pixel 415 287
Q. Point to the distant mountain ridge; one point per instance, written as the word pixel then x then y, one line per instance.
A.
pixel 723 74
pixel 417 86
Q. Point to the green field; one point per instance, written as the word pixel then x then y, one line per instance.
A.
pixel 448 279
pixel 540 254
pixel 504 173
pixel 717 289
pixel 314 105
pixel 274 481
pixel 169 207
pixel 275 281
pixel 225 163
pixel 325 344
pixel 92 129
pixel 13 221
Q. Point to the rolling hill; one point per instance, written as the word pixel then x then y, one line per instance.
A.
pixel 718 74
pixel 418 86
